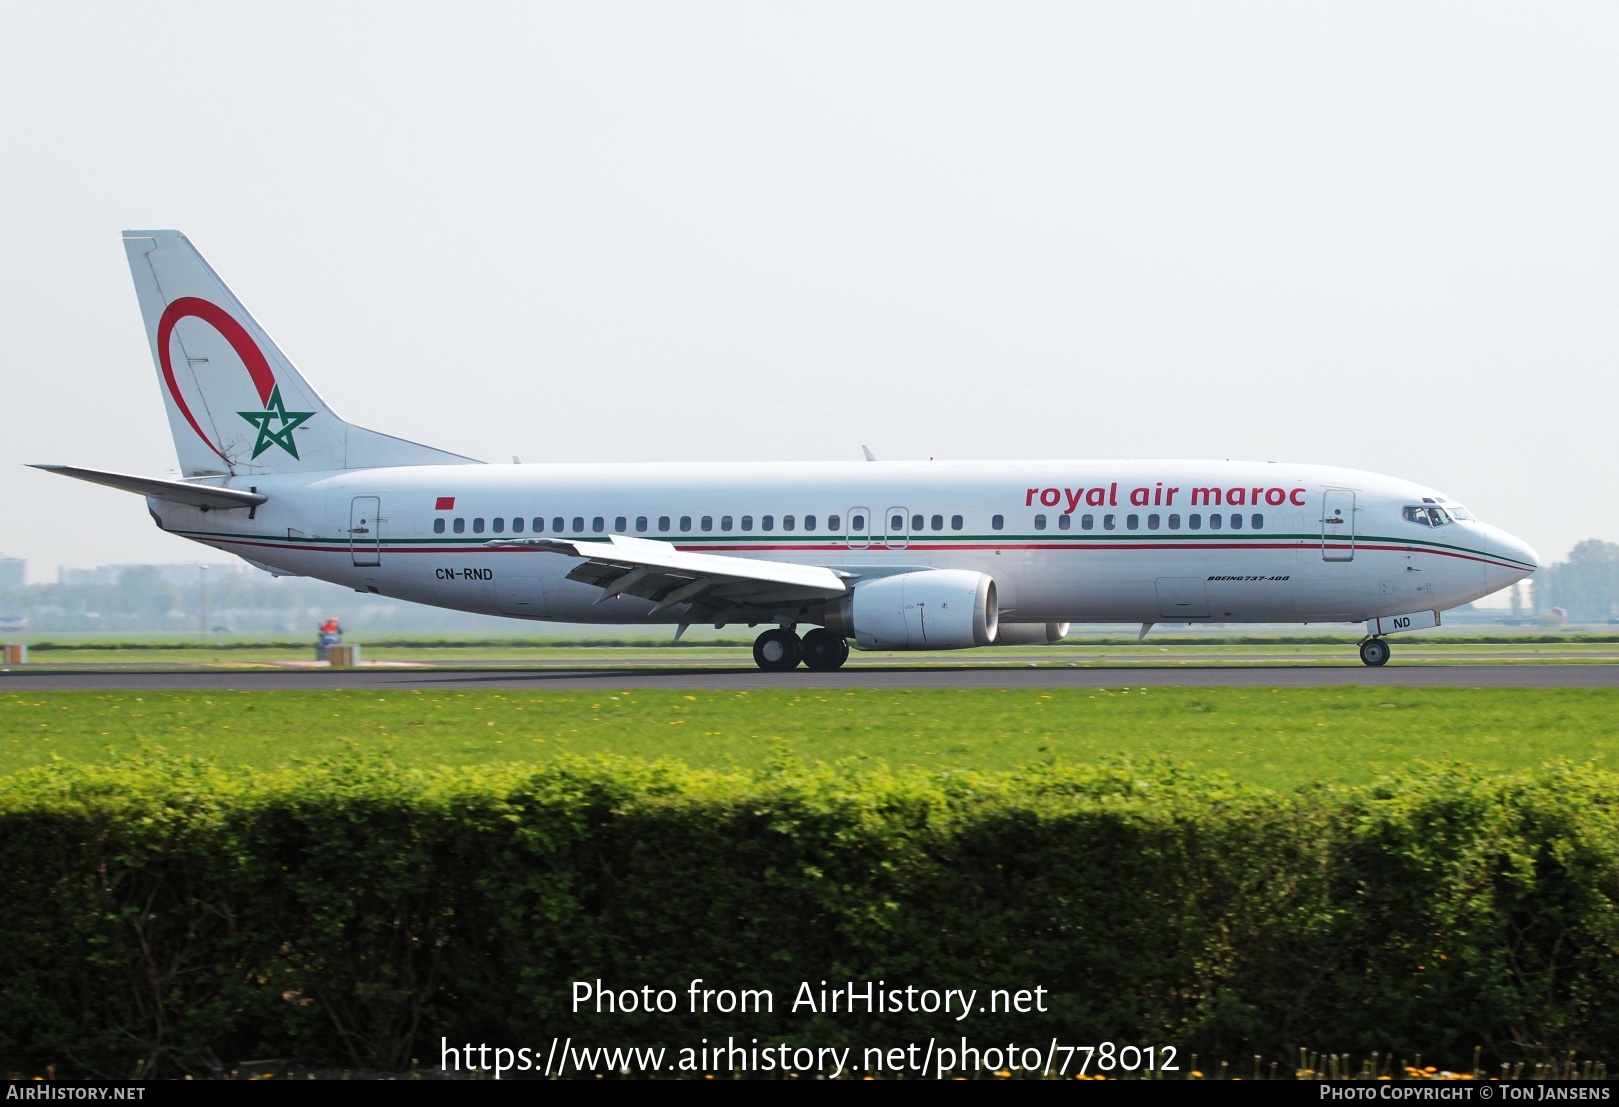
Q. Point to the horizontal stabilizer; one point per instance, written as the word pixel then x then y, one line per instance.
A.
pixel 207 496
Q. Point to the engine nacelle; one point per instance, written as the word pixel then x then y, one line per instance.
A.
pixel 932 609
pixel 1030 634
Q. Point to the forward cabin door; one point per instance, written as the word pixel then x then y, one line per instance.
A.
pixel 365 530
pixel 1337 525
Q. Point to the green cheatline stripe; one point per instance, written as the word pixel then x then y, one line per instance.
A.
pixel 1077 540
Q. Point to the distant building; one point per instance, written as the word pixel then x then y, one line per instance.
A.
pixel 169 574
pixel 13 573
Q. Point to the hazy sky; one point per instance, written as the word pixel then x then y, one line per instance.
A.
pixel 1377 235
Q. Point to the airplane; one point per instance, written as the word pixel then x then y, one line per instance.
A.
pixel 882 555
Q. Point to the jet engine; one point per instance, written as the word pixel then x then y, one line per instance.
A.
pixel 933 609
pixel 1030 634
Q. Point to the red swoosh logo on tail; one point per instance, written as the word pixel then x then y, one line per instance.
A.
pixel 233 332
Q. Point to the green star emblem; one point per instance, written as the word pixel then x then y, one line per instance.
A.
pixel 289 420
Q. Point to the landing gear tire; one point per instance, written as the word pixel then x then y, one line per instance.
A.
pixel 1374 652
pixel 824 651
pixel 777 651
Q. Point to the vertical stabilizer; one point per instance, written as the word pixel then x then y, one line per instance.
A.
pixel 236 404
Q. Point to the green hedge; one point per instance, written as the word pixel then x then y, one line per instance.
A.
pixel 351 913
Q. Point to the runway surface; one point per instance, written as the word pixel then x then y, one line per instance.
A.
pixel 738 678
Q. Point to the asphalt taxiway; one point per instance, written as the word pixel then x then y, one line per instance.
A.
pixel 741 678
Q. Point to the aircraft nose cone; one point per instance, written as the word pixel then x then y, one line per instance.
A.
pixel 1514 560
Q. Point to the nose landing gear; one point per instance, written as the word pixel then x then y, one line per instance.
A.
pixel 1374 652
pixel 780 650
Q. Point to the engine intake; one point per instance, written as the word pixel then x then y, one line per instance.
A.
pixel 934 609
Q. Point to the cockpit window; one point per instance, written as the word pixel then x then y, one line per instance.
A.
pixel 1457 511
pixel 1425 516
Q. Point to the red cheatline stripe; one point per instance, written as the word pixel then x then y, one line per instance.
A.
pixel 338 545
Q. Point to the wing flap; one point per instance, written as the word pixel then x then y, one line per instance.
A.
pixel 667 576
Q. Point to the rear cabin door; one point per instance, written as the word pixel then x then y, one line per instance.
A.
pixel 1337 525
pixel 365 530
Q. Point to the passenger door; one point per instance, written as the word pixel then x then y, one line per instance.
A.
pixel 1337 525
pixel 365 530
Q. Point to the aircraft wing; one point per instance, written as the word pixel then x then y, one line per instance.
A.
pixel 205 496
pixel 657 571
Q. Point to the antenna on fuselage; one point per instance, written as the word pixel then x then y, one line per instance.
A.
pixel 867 451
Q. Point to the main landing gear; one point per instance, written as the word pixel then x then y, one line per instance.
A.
pixel 780 650
pixel 1374 652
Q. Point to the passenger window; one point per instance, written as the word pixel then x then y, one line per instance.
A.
pixel 708 522
pixel 1064 522
pixel 640 524
pixel 1236 522
pixel 1133 522
pixel 578 524
pixel 955 522
pixel 725 522
pixel 517 526
pixel 1087 522
pixel 459 526
pixel 1110 522
pixel 768 522
pixel 1214 522
pixel 896 523
pixel 663 524
pixel 498 526
pixel 598 524
pixel 788 522
pixel 938 522
pixel 685 524
pixel 831 523
pixel 998 522
pixel 556 525
pixel 1257 522
pixel 438 526
pixel 856 522
pixel 477 526
pixel 621 524
pixel 1039 522
pixel 916 523
pixel 1152 522
pixel 809 522
pixel 747 522
pixel 1174 522
pixel 1195 522
pixel 539 524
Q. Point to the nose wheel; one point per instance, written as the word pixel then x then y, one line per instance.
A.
pixel 777 651
pixel 1374 652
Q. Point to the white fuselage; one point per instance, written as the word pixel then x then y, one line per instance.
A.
pixel 1064 541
